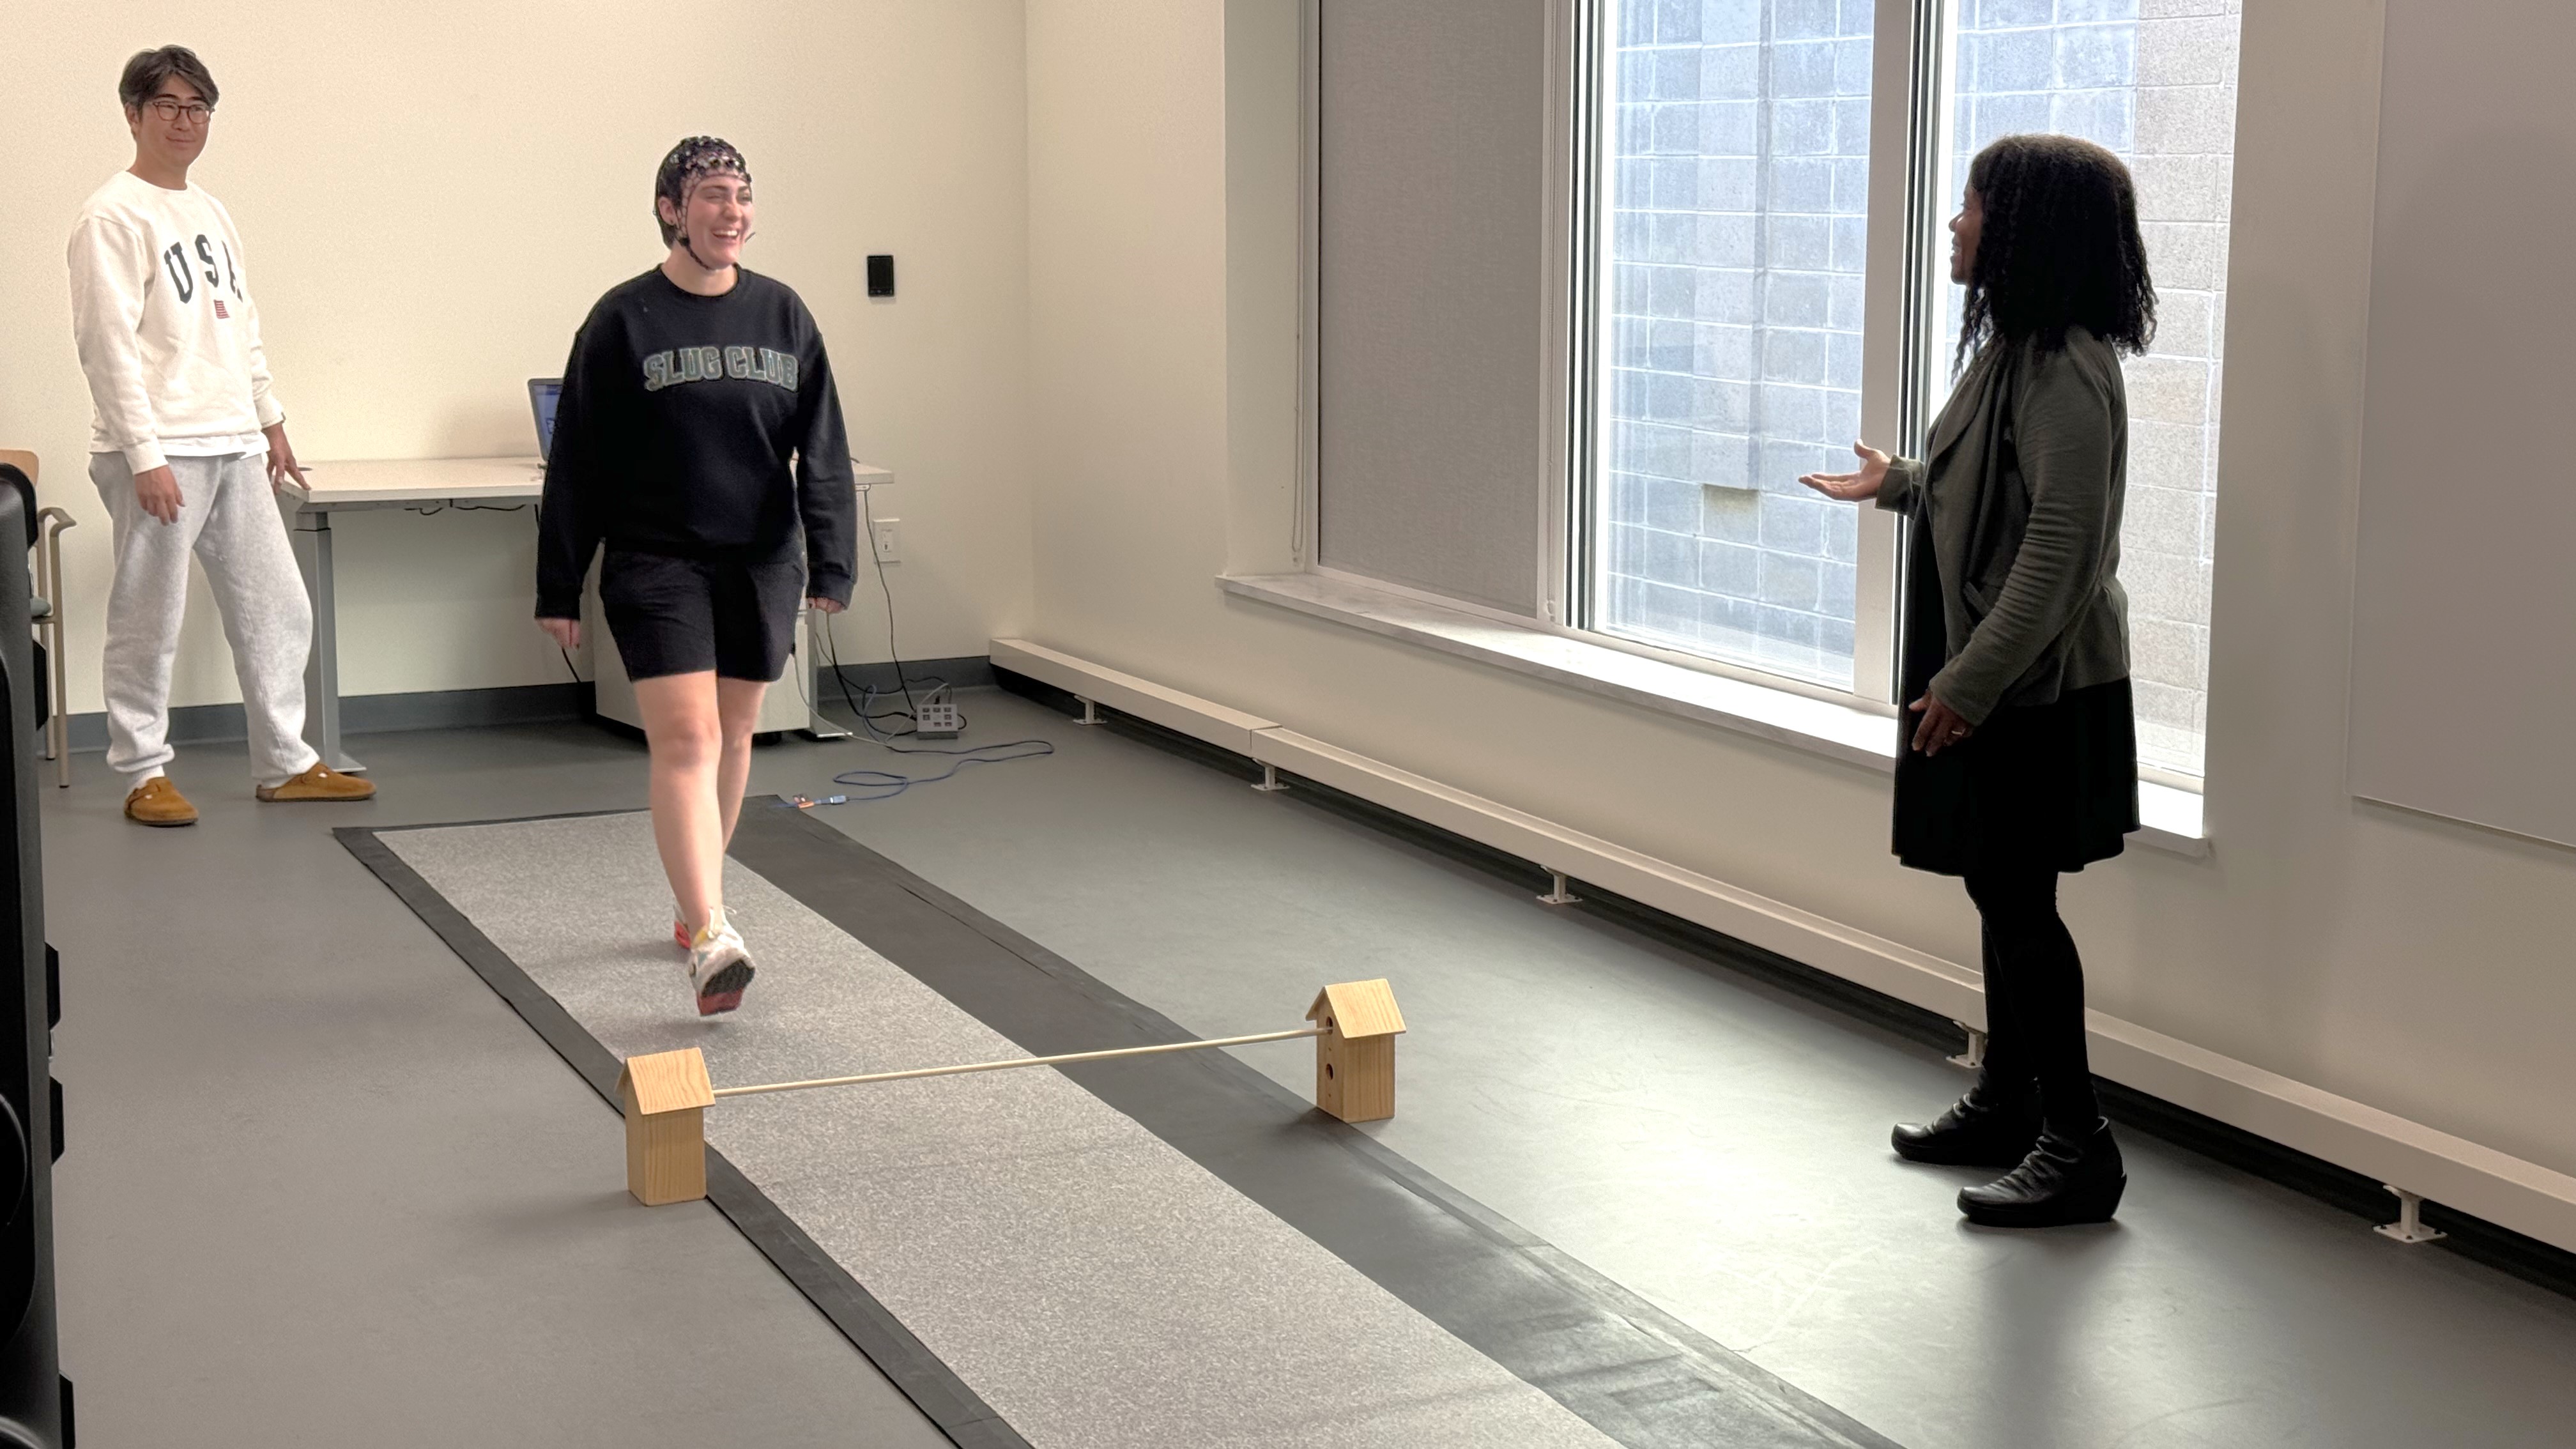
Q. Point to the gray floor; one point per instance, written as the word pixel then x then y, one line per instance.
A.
pixel 324 1188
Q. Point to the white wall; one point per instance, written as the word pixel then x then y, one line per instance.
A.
pixel 2463 580
pixel 431 197
pixel 2415 965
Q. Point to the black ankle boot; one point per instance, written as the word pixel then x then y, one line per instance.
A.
pixel 2067 1178
pixel 1983 1129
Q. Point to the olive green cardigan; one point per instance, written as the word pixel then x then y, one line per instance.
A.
pixel 2022 494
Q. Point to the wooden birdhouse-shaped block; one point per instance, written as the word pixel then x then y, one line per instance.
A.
pixel 666 1097
pixel 1355 1055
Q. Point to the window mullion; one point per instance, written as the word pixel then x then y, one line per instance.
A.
pixel 1905 125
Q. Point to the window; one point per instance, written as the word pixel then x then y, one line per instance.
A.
pixel 1725 197
pixel 1737 215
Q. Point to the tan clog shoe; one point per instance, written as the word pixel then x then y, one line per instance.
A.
pixel 158 802
pixel 320 783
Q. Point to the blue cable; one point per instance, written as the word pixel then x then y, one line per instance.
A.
pixel 887 783
pixel 892 784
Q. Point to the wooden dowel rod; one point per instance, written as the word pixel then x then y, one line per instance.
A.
pixel 1177 1046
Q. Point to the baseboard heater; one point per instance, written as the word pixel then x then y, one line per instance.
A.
pixel 2416 1162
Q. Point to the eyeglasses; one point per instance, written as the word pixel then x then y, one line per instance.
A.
pixel 195 113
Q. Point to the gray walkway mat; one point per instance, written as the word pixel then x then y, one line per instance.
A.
pixel 1168 1251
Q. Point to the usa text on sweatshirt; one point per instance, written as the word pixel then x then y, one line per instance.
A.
pixel 168 334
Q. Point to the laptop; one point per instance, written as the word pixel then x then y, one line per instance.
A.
pixel 542 394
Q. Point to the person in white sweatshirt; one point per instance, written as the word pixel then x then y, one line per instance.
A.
pixel 187 446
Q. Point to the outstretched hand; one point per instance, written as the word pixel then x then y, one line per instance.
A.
pixel 1854 487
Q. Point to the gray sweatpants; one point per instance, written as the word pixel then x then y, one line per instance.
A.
pixel 229 520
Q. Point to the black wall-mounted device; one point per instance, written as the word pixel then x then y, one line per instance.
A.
pixel 881 276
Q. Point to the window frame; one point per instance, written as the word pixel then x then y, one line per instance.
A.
pixel 1904 374
pixel 1565 397
pixel 1892 352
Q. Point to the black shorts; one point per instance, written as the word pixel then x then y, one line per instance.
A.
pixel 686 616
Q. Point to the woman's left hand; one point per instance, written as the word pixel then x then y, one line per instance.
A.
pixel 827 606
pixel 1940 727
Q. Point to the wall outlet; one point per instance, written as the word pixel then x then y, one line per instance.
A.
pixel 887 540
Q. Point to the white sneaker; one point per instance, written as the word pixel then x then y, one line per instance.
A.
pixel 719 966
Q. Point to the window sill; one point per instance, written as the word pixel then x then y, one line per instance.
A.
pixel 1837 731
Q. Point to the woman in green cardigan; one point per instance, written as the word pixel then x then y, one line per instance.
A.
pixel 2019 751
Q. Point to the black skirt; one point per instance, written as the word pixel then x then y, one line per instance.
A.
pixel 2051 786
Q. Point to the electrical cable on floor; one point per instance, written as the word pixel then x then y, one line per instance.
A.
pixel 886 784
pixel 863 707
pixel 832 651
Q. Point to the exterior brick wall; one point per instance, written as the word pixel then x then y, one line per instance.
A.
pixel 1739 202
pixel 2184 160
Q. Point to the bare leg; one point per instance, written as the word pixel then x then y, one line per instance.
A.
pixel 684 730
pixel 738 706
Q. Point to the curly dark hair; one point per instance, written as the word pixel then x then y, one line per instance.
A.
pixel 2060 248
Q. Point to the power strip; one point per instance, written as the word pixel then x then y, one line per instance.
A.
pixel 938 720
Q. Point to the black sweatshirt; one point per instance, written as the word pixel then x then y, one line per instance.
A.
pixel 673 436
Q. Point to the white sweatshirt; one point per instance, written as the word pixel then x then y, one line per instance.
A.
pixel 168 335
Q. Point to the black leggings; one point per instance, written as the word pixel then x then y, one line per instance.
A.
pixel 2034 997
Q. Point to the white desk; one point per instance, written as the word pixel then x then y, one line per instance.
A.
pixel 416 483
pixel 389 483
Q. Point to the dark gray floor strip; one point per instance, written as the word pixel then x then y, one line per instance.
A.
pixel 938 1392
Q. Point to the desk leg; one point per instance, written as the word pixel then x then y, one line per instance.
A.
pixel 809 665
pixel 312 536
